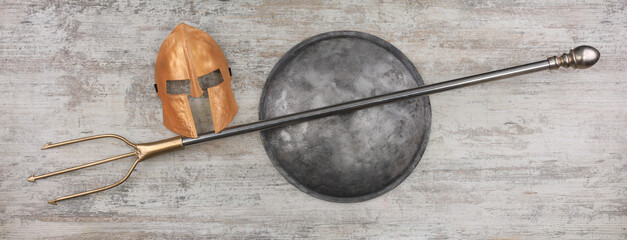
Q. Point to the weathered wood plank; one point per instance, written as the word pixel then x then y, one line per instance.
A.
pixel 540 156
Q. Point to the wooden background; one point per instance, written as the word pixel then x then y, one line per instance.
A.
pixel 541 156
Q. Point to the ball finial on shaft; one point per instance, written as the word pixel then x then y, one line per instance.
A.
pixel 581 57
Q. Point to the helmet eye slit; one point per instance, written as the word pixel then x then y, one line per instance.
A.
pixel 177 87
pixel 211 79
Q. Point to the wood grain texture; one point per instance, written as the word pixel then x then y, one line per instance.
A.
pixel 541 156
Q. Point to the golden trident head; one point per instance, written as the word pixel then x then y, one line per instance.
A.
pixel 141 151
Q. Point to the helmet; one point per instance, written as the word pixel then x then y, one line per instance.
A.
pixel 186 54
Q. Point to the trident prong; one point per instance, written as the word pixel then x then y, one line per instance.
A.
pixel 142 151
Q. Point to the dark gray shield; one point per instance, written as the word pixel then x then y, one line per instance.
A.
pixel 354 156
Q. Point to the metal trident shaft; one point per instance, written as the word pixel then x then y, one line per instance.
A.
pixel 580 58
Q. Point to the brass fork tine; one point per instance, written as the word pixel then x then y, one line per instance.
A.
pixel 33 178
pixel 53 145
pixel 142 151
pixel 54 201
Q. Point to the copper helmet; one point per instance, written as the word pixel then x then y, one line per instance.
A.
pixel 186 54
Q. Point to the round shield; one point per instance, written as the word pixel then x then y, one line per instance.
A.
pixel 357 155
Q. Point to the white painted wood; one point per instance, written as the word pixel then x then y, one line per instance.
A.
pixel 540 156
